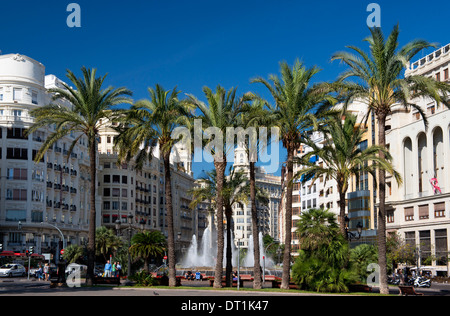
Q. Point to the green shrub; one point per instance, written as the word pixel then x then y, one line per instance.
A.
pixel 144 278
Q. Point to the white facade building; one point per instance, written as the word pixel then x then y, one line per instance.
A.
pixel 54 191
pixel 267 214
pixel 420 208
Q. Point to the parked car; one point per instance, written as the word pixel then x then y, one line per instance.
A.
pixel 12 269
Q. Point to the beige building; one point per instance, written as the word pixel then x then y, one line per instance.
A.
pixel 125 190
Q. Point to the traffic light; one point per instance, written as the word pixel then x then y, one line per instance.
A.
pixel 27 253
pixel 1 248
pixel 31 250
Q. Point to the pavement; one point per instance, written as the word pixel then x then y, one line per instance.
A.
pixel 23 286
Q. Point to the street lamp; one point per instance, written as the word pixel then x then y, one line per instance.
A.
pixel 118 227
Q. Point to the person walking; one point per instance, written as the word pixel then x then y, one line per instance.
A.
pixel 107 270
pixel 46 272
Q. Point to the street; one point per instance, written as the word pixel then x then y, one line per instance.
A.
pixel 32 287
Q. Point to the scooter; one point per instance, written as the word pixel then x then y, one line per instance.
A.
pixel 422 282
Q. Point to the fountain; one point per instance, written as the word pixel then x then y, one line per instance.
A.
pixel 249 260
pixel 203 255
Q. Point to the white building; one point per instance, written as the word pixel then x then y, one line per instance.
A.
pixel 267 214
pixel 419 209
pixel 54 191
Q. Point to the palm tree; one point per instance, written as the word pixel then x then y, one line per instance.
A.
pixel 380 83
pixel 322 264
pixel 74 254
pixel 106 241
pixel 146 245
pixel 257 115
pixel 91 105
pixel 150 123
pixel 342 158
pixel 296 110
pixel 221 112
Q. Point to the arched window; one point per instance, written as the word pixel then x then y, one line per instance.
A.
pixel 438 154
pixel 408 170
pixel 422 161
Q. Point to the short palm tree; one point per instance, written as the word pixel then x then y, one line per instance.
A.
pixel 147 244
pixel 297 104
pixel 220 112
pixel 343 159
pixel 106 241
pixel 150 123
pixel 91 105
pixel 379 82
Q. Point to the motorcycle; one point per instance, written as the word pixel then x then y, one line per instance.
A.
pixel 422 282
pixel 393 280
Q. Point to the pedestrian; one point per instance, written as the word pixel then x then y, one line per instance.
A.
pixel 107 270
pixel 119 269
pixel 39 272
pixel 46 272
pixel 114 270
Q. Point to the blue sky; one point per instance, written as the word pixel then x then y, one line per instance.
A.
pixel 190 44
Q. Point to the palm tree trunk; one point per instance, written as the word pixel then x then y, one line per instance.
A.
pixel 92 215
pixel 381 233
pixel 256 250
pixel 229 264
pixel 169 208
pixel 288 219
pixel 220 171
pixel 342 212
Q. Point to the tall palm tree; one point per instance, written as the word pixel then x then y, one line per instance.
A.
pixel 257 114
pixel 91 105
pixel 147 244
pixel 342 158
pixel 220 112
pixel 379 82
pixel 297 104
pixel 150 123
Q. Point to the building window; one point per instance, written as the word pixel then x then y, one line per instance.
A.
pixel 425 247
pixel 423 212
pixel 16 216
pixel 446 74
pixel 34 97
pixel 439 209
pixel 440 236
pixel 390 216
pixel 17 174
pixel 409 213
pixel 17 94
